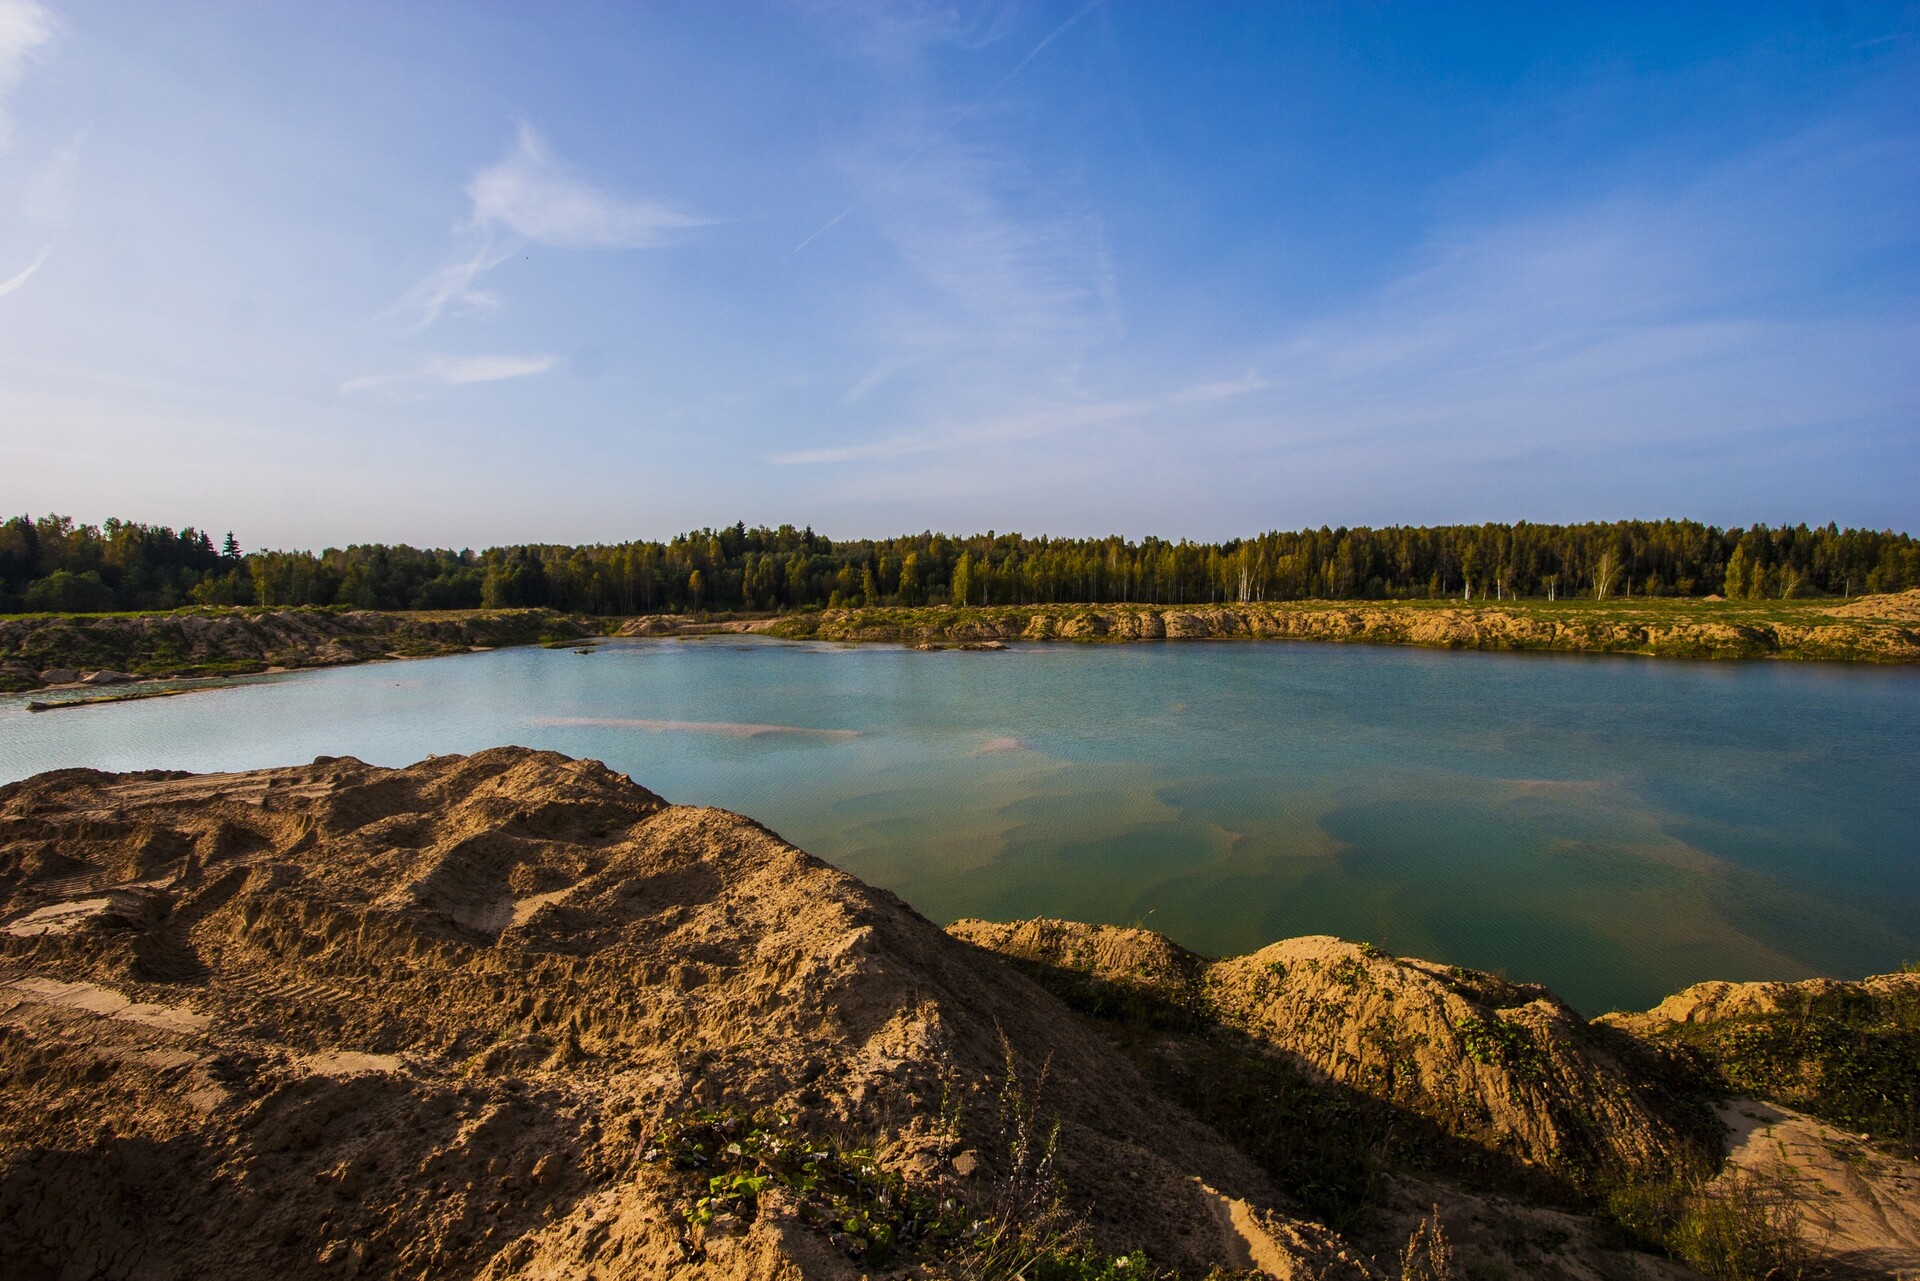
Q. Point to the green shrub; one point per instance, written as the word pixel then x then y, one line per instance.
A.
pixel 869 1212
pixel 1740 1227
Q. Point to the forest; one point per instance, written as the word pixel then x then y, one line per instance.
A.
pixel 53 564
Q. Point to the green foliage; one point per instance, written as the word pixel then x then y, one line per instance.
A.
pixel 1078 1263
pixel 1499 1042
pixel 1850 1057
pixel 869 1212
pixel 1350 973
pixel 761 569
pixel 67 593
pixel 1739 1227
pixel 876 1216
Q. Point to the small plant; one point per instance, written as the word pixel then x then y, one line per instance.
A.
pixel 869 1212
pixel 1499 1043
pixel 1847 1058
pixel 1349 973
pixel 1427 1255
pixel 1743 1228
pixel 1019 1232
pixel 1740 1227
pixel 1024 1221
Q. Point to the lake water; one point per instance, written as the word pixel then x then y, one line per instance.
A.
pixel 1613 827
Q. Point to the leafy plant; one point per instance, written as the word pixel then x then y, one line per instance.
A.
pixel 1848 1057
pixel 1500 1043
pixel 869 1212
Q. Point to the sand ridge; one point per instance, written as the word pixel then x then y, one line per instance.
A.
pixel 442 1011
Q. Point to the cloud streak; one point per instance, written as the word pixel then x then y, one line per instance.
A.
pixel 529 197
pixel 26 28
pixel 454 371
pixel 39 260
pixel 964 114
pixel 1014 427
pixel 1027 426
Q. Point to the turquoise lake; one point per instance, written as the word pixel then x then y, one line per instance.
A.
pixel 1613 827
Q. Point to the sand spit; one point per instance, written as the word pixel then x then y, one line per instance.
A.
pixel 512 1016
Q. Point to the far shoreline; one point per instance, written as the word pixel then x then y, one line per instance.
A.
pixel 214 642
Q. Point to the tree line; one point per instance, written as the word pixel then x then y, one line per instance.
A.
pixel 51 563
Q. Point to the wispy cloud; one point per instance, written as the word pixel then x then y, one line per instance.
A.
pixel 962 436
pixel 1024 426
pixel 530 194
pixel 1225 389
pixel 530 197
pixel 871 379
pixel 14 282
pixel 26 28
pixel 454 371
pixel 1626 322
pixel 455 285
pixel 994 33
pixel 1549 349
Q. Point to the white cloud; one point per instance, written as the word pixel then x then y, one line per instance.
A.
pixel 454 371
pixel 454 285
pixel 529 197
pixel 25 29
pixel 14 282
pixel 530 194
pixel 1005 288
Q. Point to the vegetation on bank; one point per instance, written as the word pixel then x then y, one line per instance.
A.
pixel 51 563
pixel 231 642
pixel 216 641
pixel 1849 1055
pixel 1665 627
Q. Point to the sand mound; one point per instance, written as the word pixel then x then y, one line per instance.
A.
pixel 486 1016
pixel 1897 606
pixel 1716 1002
pixel 1139 961
pixel 1507 1069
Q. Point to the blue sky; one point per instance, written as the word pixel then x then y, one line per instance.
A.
pixel 466 274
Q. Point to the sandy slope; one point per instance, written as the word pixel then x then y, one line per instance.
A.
pixel 426 1022
pixel 455 1020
